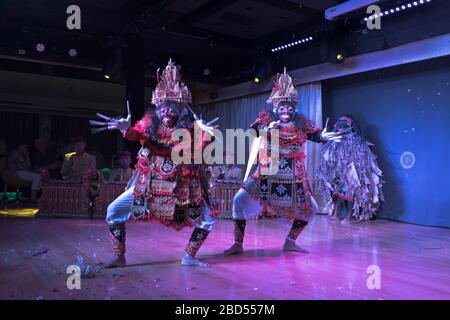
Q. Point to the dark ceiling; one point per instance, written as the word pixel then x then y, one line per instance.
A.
pixel 228 37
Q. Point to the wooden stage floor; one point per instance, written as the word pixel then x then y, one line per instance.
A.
pixel 414 261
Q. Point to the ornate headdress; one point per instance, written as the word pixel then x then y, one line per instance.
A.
pixel 283 91
pixel 169 87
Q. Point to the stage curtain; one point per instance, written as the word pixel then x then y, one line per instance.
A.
pixel 233 114
pixel 311 106
pixel 236 113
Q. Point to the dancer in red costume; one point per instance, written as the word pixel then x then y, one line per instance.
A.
pixel 174 194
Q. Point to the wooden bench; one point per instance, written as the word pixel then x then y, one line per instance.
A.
pixel 64 199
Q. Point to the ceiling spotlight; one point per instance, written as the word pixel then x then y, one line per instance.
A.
pixel 107 77
pixel 73 52
pixel 40 47
pixel 256 80
pixel 340 57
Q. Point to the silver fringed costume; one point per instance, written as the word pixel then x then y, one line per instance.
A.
pixel 348 175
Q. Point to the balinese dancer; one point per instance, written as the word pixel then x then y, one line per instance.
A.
pixel 348 175
pixel 286 193
pixel 174 194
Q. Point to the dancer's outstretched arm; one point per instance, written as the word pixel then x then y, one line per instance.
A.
pixel 317 135
pixel 135 133
pixel 207 127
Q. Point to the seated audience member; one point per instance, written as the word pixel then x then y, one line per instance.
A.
pixel 42 159
pixel 19 161
pixel 232 172
pixel 123 171
pixel 79 165
pixel 228 171
pixel 69 147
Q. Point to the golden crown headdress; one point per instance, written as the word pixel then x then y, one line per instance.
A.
pixel 169 87
pixel 283 90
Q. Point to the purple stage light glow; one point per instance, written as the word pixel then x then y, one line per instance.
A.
pixel 40 47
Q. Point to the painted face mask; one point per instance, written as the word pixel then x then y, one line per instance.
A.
pixel 168 114
pixel 285 112
pixel 343 123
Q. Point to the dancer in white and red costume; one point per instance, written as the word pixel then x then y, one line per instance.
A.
pixel 174 194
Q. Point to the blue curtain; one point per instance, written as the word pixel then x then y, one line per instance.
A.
pixel 405 112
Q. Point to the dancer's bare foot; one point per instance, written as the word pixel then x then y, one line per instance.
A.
pixel 290 245
pixel 188 260
pixel 116 262
pixel 235 249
